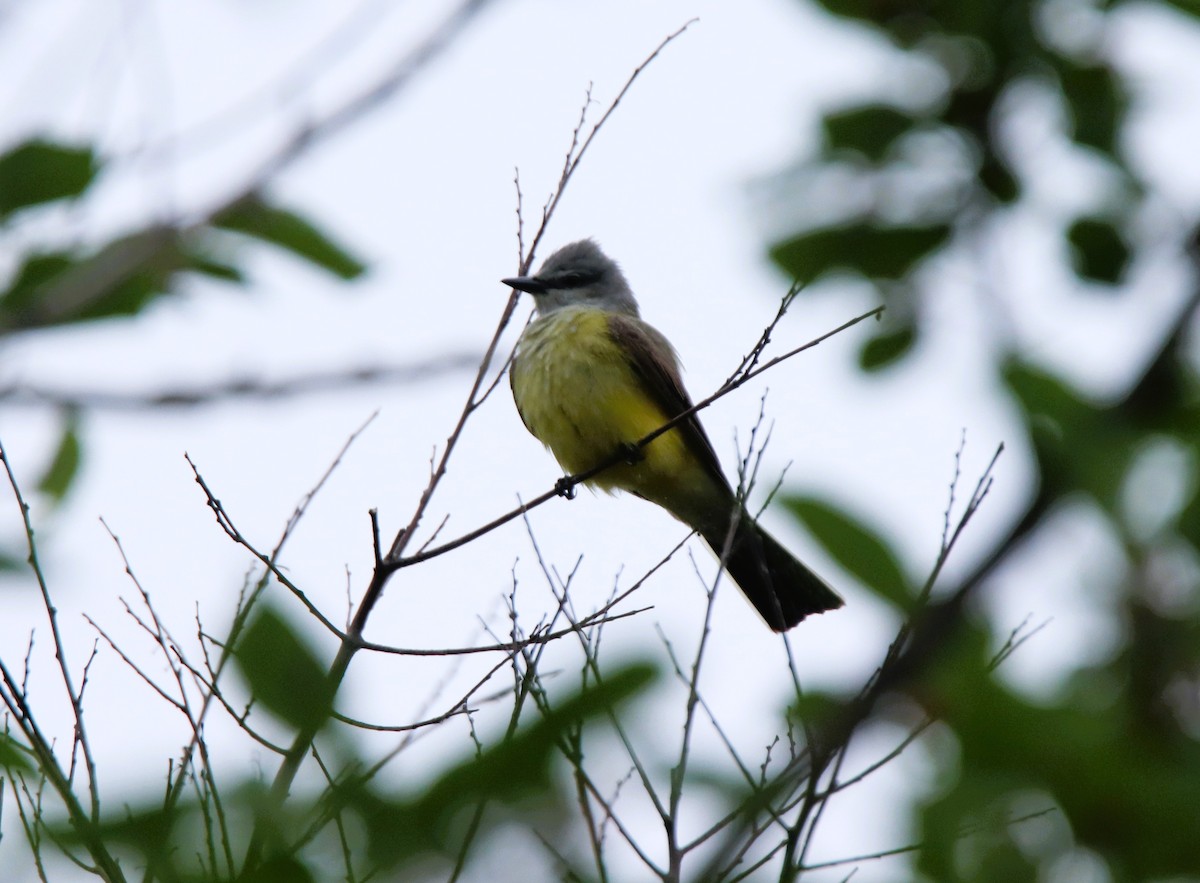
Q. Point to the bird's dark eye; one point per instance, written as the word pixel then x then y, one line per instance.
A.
pixel 573 279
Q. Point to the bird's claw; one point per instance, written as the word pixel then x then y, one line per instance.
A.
pixel 631 453
pixel 564 487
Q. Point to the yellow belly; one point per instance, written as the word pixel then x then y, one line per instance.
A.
pixel 578 394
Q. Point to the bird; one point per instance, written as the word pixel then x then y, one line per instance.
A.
pixel 590 379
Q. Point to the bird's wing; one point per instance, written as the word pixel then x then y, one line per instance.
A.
pixel 653 358
pixel 512 385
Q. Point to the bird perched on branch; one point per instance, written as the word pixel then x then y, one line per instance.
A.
pixel 591 379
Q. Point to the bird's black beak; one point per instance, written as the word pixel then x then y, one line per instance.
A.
pixel 531 284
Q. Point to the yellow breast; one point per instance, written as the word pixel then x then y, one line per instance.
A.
pixel 577 393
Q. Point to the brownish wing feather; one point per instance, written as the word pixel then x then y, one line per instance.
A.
pixel 653 359
pixel 512 385
pixel 782 589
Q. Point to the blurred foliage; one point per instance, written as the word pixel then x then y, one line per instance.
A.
pixel 14 756
pixel 1100 251
pixel 257 218
pixel 1115 753
pixel 517 774
pixel 38 171
pixel 857 548
pixel 119 278
pixel 63 466
pixel 1110 757
pixel 54 286
pixel 283 672
pixel 386 832
pixel 876 251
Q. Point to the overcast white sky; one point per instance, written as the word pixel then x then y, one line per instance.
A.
pixel 187 100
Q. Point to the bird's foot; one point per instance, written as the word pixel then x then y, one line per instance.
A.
pixel 631 453
pixel 564 487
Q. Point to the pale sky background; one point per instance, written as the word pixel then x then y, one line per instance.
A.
pixel 422 189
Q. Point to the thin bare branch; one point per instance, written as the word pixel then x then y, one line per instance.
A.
pixel 384 89
pixel 566 484
pixel 574 157
pixel 219 392
pixel 13 696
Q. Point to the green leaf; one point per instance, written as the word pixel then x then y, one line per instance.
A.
pixel 146 829
pixel 869 130
pixel 1051 408
pixel 995 175
pixel 1191 7
pixel 870 11
pixel 968 835
pixel 1096 102
pixel 513 774
pixel 18 305
pixel 875 252
pixel 1127 786
pixel 1164 400
pixel 884 349
pixel 506 771
pixel 207 265
pixel 1100 251
pixel 64 465
pixel 1079 446
pixel 280 869
pixel 40 171
pixel 1047 397
pixel 119 279
pixel 283 671
pixel 816 709
pixel 253 216
pixel 1188 522
pixel 856 548
pixel 14 757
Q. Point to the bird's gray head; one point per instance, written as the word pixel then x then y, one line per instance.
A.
pixel 579 274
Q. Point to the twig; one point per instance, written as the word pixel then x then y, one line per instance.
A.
pixel 571 481
pixel 269 561
pixel 459 707
pixel 12 693
pixel 747 475
pixel 60 654
pixel 795 788
pixel 72 291
pixel 574 157
pixel 441 38
pixel 32 395
pixel 750 360
pixel 962 443
pixel 362 22
pixel 966 831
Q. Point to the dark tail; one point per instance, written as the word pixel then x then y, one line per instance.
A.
pixel 781 589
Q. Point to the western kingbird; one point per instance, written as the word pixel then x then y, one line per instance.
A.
pixel 590 378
